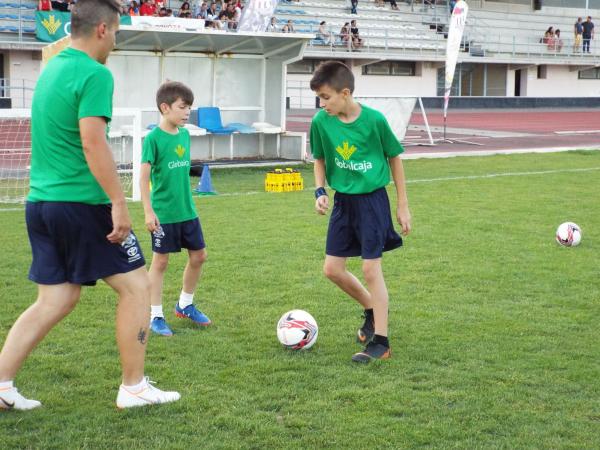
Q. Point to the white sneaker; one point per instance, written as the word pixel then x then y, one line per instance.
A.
pixel 11 399
pixel 147 395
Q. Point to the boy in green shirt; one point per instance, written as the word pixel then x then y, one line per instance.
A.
pixel 170 214
pixel 354 148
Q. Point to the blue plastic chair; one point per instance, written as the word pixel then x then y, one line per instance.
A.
pixel 209 118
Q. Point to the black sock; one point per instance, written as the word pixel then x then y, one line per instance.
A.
pixel 383 340
pixel 369 312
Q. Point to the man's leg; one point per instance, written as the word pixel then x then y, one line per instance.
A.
pixel 334 268
pixel 53 303
pixel 133 318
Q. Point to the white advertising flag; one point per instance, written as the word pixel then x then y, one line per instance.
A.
pixel 257 15
pixel 457 27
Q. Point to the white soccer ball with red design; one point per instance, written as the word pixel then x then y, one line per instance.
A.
pixel 568 234
pixel 297 330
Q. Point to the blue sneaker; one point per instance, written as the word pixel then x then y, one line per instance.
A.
pixel 159 326
pixel 190 312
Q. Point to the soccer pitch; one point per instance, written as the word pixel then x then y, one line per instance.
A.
pixel 493 326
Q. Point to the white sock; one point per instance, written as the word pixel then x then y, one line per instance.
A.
pixel 156 311
pixel 136 387
pixel 6 384
pixel 185 299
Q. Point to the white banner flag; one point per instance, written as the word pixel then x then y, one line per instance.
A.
pixel 257 15
pixel 457 27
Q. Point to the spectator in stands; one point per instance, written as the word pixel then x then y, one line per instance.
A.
pixel 203 12
pixel 588 34
pixel 345 35
pixel 162 12
pixel 380 3
pixel 323 35
pixel 353 6
pixel 451 5
pixel 184 9
pixel 159 4
pixel 555 43
pixel 237 14
pixel 169 12
pixel 394 5
pixel 60 5
pixel 45 5
pixel 148 8
pixel 578 31
pixel 222 21
pixel 547 35
pixel 357 41
pixel 288 27
pixel 134 9
pixel 212 15
pixel 273 27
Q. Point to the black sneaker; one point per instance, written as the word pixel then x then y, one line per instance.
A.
pixel 367 331
pixel 372 351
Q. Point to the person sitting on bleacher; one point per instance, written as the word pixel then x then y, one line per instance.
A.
pixel 273 27
pixel 185 9
pixel 202 12
pixel 211 15
pixel 357 41
pixel 549 34
pixel 323 35
pixel 345 35
pixel 148 8
pixel 45 5
pixel 134 9
pixel 288 27
pixel 555 43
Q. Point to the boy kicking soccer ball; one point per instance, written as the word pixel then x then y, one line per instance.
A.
pixel 354 149
pixel 170 214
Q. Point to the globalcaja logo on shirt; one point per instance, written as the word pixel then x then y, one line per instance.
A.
pixel 346 152
pixel 180 150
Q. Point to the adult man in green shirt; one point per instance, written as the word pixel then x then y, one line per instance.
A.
pixel 77 219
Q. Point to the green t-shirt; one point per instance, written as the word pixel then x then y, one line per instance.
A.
pixel 71 87
pixel 356 154
pixel 169 156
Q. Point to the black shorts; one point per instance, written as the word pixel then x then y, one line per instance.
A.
pixel 361 225
pixel 172 237
pixel 69 245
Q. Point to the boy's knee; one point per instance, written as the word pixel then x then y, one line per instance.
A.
pixel 160 263
pixel 371 271
pixel 331 271
pixel 198 258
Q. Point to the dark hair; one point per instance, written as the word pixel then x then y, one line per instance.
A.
pixel 86 15
pixel 170 91
pixel 322 23
pixel 335 74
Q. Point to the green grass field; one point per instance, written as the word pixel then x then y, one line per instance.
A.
pixel 494 327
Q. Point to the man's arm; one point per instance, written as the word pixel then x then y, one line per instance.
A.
pixel 100 160
pixel 322 201
pixel 402 211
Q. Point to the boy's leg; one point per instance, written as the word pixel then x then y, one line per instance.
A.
pixel 379 347
pixel 334 268
pixel 193 269
pixel 184 307
pixel 156 274
pixel 379 295
pixel 54 302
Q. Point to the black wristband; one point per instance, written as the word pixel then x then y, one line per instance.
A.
pixel 320 191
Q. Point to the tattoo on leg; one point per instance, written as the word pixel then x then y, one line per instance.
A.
pixel 142 336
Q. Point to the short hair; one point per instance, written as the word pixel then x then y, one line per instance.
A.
pixel 322 23
pixel 171 91
pixel 335 74
pixel 86 15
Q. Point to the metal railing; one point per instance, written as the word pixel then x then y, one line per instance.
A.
pixel 19 91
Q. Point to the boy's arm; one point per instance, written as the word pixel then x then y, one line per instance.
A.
pixel 322 201
pixel 402 212
pixel 150 218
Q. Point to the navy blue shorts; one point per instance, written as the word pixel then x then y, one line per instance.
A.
pixel 68 243
pixel 361 225
pixel 172 237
